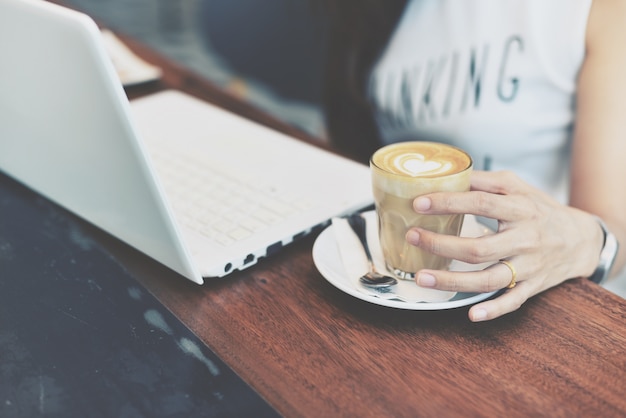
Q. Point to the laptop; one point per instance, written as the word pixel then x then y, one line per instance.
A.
pixel 68 131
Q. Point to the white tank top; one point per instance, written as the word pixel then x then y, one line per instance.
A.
pixel 494 77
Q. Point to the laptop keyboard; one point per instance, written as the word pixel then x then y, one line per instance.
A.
pixel 219 205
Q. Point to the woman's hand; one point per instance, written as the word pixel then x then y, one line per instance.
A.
pixel 545 242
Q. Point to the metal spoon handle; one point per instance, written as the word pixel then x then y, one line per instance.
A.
pixel 357 223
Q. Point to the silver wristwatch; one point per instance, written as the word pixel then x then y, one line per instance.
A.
pixel 607 255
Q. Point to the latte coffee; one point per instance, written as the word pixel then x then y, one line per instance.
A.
pixel 400 173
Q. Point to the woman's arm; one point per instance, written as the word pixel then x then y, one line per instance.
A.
pixel 599 153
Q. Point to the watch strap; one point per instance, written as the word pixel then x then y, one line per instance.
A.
pixel 607 254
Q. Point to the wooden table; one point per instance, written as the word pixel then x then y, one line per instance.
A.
pixel 312 351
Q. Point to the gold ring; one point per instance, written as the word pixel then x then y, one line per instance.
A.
pixel 513 272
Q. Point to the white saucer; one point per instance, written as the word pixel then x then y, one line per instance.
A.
pixel 327 259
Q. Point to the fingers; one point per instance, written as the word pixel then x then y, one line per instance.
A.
pixel 497 182
pixel 495 277
pixel 533 235
pixel 505 208
pixel 469 250
pixel 509 301
pixel 493 195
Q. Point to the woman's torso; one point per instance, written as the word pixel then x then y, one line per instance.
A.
pixel 495 77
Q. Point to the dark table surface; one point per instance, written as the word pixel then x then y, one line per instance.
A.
pixel 79 336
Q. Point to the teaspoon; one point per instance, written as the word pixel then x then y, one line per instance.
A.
pixel 372 278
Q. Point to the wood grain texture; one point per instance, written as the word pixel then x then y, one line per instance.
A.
pixel 311 350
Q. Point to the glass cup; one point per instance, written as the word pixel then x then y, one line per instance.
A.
pixel 400 173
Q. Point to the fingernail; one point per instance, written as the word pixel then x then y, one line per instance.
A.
pixel 413 237
pixel 426 280
pixel 422 204
pixel 479 315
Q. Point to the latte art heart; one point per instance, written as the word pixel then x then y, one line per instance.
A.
pixel 421 159
pixel 414 165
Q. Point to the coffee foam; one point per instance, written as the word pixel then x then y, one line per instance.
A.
pixel 409 169
pixel 421 159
